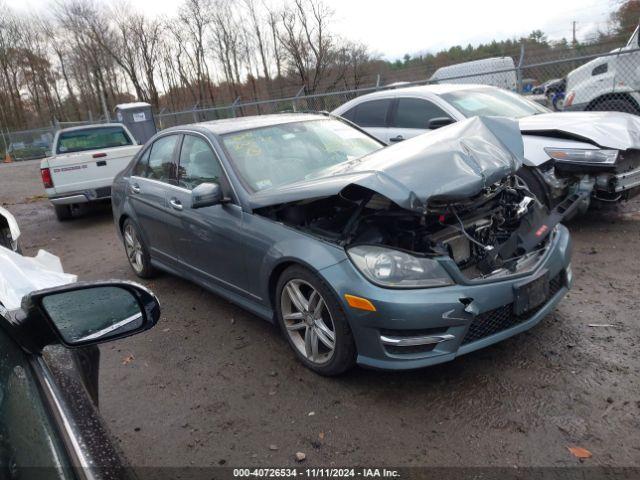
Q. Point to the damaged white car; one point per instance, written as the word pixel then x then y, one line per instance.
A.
pixel 592 154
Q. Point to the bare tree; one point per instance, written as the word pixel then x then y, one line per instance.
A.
pixel 307 41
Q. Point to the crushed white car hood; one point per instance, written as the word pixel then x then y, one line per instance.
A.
pixel 21 275
pixel 606 129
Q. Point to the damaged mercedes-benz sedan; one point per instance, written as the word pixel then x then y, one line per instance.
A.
pixel 395 258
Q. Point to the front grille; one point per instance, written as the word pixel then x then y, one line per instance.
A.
pixel 502 318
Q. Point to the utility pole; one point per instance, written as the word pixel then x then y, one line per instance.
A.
pixel 574 34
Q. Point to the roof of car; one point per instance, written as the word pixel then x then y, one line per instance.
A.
pixel 229 125
pixel 437 89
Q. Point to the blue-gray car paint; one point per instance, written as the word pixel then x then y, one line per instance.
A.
pixel 265 246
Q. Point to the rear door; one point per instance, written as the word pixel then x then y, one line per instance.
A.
pixel 410 117
pixel 154 177
pixel 89 159
pixel 208 239
pixel 373 117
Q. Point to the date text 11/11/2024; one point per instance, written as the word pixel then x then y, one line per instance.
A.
pixel 316 472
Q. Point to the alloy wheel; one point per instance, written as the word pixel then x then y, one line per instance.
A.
pixel 133 248
pixel 308 321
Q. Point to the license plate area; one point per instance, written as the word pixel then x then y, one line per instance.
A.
pixel 531 293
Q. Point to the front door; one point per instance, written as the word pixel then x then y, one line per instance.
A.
pixel 411 116
pixel 208 239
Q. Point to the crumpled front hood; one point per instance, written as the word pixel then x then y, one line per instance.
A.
pixel 452 163
pixel 606 129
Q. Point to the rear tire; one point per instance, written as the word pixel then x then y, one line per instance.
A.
pixel 63 212
pixel 318 334
pixel 136 250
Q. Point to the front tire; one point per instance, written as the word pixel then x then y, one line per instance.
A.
pixel 137 252
pixel 615 105
pixel 314 323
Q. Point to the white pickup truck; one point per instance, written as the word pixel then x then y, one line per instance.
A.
pixel 83 163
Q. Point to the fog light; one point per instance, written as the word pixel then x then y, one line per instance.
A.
pixel 568 275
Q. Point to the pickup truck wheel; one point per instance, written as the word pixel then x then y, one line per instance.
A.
pixel 63 212
pixel 313 322
pixel 137 252
pixel 531 182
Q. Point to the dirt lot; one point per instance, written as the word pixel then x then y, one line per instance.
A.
pixel 212 384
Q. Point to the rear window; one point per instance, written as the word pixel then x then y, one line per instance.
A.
pixel 92 139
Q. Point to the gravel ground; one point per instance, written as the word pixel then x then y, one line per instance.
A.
pixel 212 384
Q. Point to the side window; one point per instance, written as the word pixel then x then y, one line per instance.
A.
pixel 198 163
pixel 350 114
pixel 140 170
pixel 157 162
pixel 600 69
pixel 372 114
pixel 416 113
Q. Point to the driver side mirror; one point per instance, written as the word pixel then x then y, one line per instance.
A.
pixel 439 122
pixel 206 195
pixel 83 314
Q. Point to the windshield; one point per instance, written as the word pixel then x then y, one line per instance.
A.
pixel 492 102
pixel 92 139
pixel 286 153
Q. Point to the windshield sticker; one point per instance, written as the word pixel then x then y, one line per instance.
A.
pixel 262 184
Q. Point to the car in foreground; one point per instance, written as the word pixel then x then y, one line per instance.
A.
pixel 394 258
pixel 9 231
pixel 49 422
pixel 83 163
pixel 565 153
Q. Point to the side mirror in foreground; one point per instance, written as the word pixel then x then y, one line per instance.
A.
pixel 88 313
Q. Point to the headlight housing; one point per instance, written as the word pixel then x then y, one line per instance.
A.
pixel 395 269
pixel 583 155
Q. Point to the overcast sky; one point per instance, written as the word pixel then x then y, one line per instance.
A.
pixel 395 27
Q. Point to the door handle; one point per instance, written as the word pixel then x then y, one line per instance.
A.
pixel 135 188
pixel 175 204
pixel 399 138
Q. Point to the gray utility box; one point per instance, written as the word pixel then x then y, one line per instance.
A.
pixel 139 120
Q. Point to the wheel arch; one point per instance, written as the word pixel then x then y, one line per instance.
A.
pixel 613 96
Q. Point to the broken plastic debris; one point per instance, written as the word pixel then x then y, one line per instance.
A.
pixel 580 452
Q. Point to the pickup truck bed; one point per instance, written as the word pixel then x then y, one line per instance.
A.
pixel 84 163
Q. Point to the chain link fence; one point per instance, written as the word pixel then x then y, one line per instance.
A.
pixel 602 76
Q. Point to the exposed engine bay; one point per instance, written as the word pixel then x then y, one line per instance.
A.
pixel 499 231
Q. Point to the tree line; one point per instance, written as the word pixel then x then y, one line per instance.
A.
pixel 83 57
